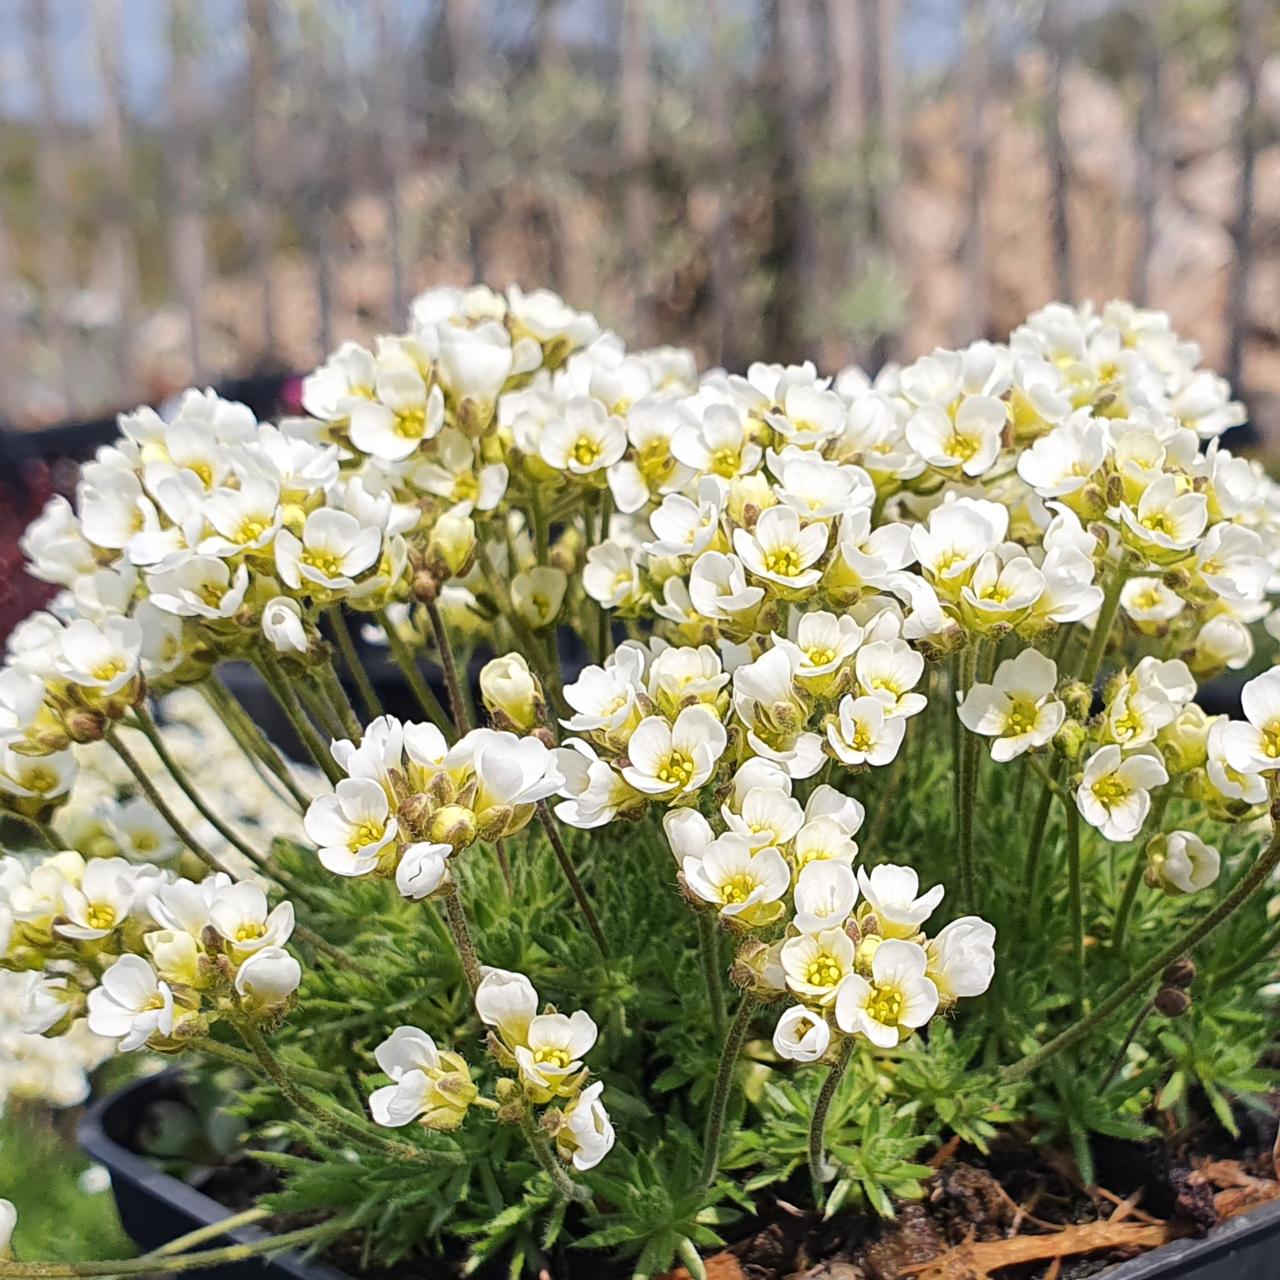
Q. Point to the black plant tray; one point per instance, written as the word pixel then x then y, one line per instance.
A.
pixel 156 1207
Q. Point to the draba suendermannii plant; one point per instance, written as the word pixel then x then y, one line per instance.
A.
pixel 598 955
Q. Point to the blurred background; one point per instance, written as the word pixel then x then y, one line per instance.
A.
pixel 195 190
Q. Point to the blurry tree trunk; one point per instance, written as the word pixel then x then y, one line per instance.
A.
pixel 553 65
pixel 780 318
pixel 1251 19
pixel 466 65
pixel 798 82
pixel 1150 149
pixel 54 192
pixel 974 319
pixel 1056 152
pixel 10 401
pixel 315 191
pixel 187 235
pixel 720 116
pixel 396 152
pixel 117 244
pixel 259 199
pixel 635 98
pixel 847 127
pixel 880 131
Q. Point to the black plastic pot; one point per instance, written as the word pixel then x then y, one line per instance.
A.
pixel 156 1207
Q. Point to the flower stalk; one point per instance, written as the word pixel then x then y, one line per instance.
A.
pixel 722 1091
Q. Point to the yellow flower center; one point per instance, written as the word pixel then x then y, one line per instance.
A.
pixel 823 971
pixel 964 447
pixel 410 424
pixel 1110 791
pixel 885 1007
pixel 40 780
pixel 100 915
pixel 585 451
pixel 1158 522
pixel 724 462
pixel 862 739
pixel 366 833
pixel 328 563
pixel 108 670
pixel 211 593
pixel 249 932
pixel 466 487
pixel 250 529
pixel 1021 719
pixel 1271 739
pixel 737 888
pixel 784 561
pixel 558 1058
pixel 676 769
pixel 819 656
pixel 654 460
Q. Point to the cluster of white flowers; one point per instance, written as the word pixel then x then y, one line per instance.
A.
pixel 137 954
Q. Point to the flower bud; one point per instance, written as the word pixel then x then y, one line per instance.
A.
pixel 85 724
pixel 511 693
pixel 1079 699
pixel 282 625
pixel 1181 973
pixel 452 546
pixel 1070 739
pixel 267 979
pixel 453 825
pixel 1172 1002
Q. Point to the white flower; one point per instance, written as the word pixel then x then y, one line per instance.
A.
pixel 604 698
pixel 404 415
pixel 476 362
pixel 351 827
pixel 767 816
pixel 888 670
pixel 103 658
pixel 1064 460
pixel 719 445
pixel 1018 710
pixel 898 999
pixel 550 1059
pixel 865 732
pixel 131 1005
pixel 37 777
pixel 594 790
pixel 1167 520
pixel 346 378
pixel 1254 747
pixel 509 687
pixel 718 588
pixel 268 978
pixel 201 587
pixel 969 439
pixel 101 902
pixel 240 913
pixel 955 537
pixel 674 759
pixel 683 527
pixel 1188 864
pixel 333 550
pixel 816 963
pixel 801 1035
pixel 745 884
pixel 962 958
pixel 1113 793
pixel 538 593
pixel 688 833
pixel 893 894
pixel 422 869
pixel 823 839
pixel 584 440
pixel 781 550
pixel 282 625
pixel 825 893
pixel 587 1134
pixel 1149 600
pixel 1223 641
pixel 244 519
pixel 507 1002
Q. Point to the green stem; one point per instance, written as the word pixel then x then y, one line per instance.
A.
pixel 153 735
pixel 202 1235
pixel 504 865
pixel 1131 886
pixel 552 1167
pixel 969 746
pixel 355 668
pixel 341 704
pixel 223 1256
pixel 709 950
pixel 723 1089
pixel 1031 867
pixel 421 690
pixel 1093 655
pixel 160 805
pixel 319 709
pixel 302 726
pixel 818 1123
pixel 456 918
pixel 1118 1061
pixel 1076 898
pixel 251 739
pixel 457 707
pixel 229 1054
pixel 1241 892
pixel 571 874
pixel 42 829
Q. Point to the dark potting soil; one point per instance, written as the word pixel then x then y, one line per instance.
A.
pixel 1019 1212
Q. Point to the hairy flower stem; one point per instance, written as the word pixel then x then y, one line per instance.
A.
pixel 1134 881
pixel 968 765
pixel 1241 892
pixel 1031 868
pixel 318 708
pixel 287 699
pixel 338 699
pixel 457 921
pixel 229 1054
pixel 818 1124
pixel 251 739
pixel 1097 649
pixel 225 1255
pixel 552 1167
pixel 151 732
pixel 734 1039
pixel 42 829
pixel 1118 1061
pixel 354 667
pixel 457 707
pixel 350 1127
pixel 1075 897
pixel 409 668
pixel 709 950
pixel 571 875
pixel 504 865
pixel 160 805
